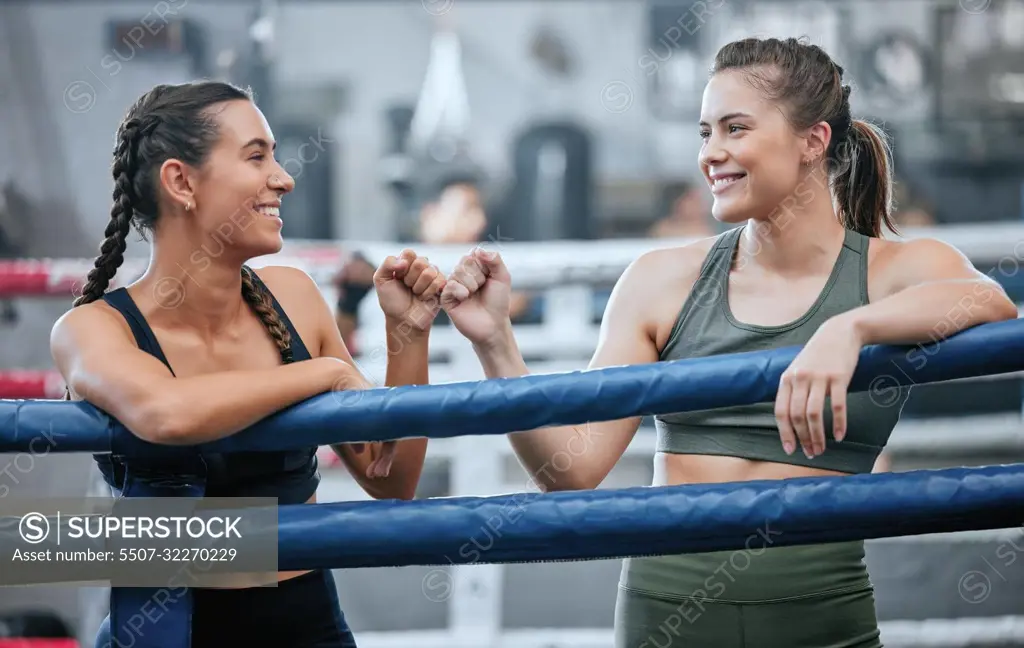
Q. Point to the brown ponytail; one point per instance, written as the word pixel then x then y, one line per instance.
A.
pixel 863 186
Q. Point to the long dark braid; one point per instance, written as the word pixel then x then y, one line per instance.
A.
pixel 170 121
pixel 121 214
pixel 261 303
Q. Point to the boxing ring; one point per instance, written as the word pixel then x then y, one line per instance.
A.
pixel 575 525
pixel 607 524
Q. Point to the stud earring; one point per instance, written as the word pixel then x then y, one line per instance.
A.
pixel 188 205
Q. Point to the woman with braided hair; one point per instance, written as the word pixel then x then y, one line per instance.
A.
pixel 202 346
pixel 808 188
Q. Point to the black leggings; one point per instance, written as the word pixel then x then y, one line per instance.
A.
pixel 301 612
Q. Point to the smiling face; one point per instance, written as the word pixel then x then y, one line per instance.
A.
pixel 240 186
pixel 750 155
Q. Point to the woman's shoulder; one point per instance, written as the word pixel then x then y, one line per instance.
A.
pixel 285 281
pixel 898 256
pixel 95 326
pixel 96 315
pixel 655 285
pixel 674 267
pixel 298 295
pixel 894 264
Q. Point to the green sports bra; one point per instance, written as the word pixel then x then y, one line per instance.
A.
pixel 705 327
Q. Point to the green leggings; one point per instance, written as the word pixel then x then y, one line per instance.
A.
pixel 784 597
pixel 845 620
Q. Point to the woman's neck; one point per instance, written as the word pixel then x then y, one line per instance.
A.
pixel 193 289
pixel 800 237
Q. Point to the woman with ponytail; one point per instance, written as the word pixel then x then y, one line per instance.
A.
pixel 203 346
pixel 809 190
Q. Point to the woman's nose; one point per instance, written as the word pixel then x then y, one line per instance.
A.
pixel 282 181
pixel 711 153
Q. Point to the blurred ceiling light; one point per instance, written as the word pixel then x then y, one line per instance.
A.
pixel 262 30
pixel 441 118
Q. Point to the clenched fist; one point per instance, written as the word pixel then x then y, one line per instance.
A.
pixel 409 290
pixel 477 297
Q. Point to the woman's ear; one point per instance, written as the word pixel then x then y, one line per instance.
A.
pixel 816 142
pixel 175 178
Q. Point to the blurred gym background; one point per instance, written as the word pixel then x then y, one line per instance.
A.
pixel 562 132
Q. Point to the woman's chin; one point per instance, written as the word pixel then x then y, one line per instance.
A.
pixel 276 245
pixel 730 214
pixel 269 245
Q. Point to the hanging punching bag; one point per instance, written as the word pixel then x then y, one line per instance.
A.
pixel 551 198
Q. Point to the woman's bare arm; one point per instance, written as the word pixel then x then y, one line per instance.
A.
pixel 628 337
pixel 101 364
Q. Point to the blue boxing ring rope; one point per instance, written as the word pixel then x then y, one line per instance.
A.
pixel 572 525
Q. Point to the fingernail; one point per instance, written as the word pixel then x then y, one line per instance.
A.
pixel 788 447
pixel 808 454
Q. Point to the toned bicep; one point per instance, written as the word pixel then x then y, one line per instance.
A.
pixel 646 300
pixel 626 337
pixel 100 363
pixel 332 342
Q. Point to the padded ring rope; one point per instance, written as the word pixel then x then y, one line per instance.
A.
pixel 568 526
pixel 640 521
pixel 648 521
pixel 511 404
pixel 662 520
pixel 30 383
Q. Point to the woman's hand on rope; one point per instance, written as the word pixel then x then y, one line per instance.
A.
pixel 822 370
pixel 349 377
pixel 477 297
pixel 409 291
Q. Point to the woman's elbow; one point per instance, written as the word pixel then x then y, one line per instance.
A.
pixel 151 415
pixel 1000 306
pixel 161 421
pixel 1007 309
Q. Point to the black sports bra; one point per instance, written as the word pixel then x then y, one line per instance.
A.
pixel 291 476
